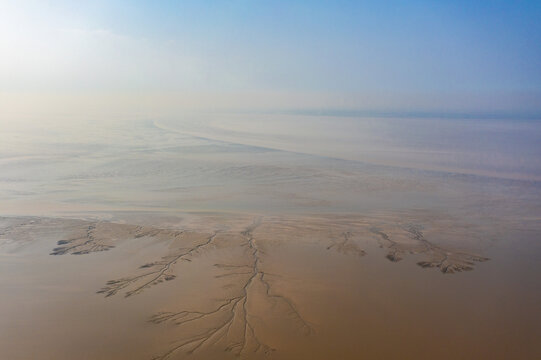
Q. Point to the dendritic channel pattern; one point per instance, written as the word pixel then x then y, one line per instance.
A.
pixel 345 246
pixel 84 242
pixel 156 272
pixel 233 322
pixel 446 260
pixel 229 323
pixel 101 236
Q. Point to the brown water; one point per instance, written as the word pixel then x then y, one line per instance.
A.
pixel 139 240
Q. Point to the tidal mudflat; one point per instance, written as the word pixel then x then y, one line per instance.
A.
pixel 148 241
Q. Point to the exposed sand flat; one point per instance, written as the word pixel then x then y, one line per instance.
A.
pixel 153 244
pixel 224 286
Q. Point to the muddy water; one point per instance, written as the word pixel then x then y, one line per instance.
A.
pixel 145 242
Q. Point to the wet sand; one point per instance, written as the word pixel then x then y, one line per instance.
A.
pixel 134 241
pixel 257 286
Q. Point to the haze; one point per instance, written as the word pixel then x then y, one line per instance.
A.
pixel 270 180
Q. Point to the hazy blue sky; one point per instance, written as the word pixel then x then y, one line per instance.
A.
pixel 485 49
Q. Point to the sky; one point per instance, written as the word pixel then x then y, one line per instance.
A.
pixel 457 55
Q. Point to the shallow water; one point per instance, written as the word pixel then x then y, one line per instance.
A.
pixel 293 237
